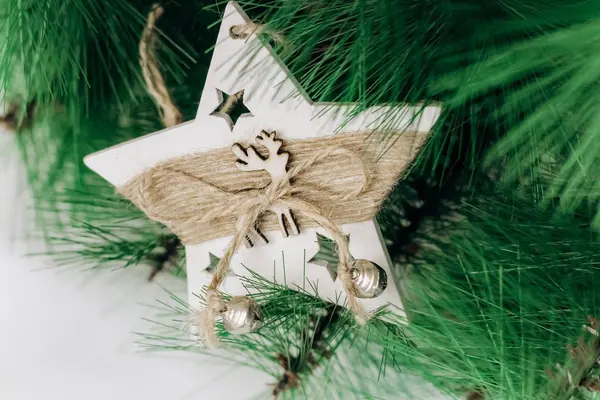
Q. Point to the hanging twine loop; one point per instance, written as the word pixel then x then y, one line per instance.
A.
pixel 155 83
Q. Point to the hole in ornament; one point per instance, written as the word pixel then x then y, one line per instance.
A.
pixel 211 268
pixel 239 31
pixel 231 107
pixel 287 223
pixel 255 237
pixel 243 31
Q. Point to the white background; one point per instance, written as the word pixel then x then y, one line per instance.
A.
pixel 66 334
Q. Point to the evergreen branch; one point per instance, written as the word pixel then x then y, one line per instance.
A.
pixel 314 347
pixel 87 85
pixel 478 322
pixel 552 95
pixel 116 245
pixel 52 57
pixel 391 52
pixel 115 233
pixel 314 342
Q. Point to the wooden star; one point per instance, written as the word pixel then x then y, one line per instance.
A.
pixel 249 68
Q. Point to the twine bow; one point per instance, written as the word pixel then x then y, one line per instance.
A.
pixel 249 206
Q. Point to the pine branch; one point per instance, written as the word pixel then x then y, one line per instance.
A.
pixel 397 51
pixel 314 347
pixel 315 343
pixel 114 233
pixel 550 100
pixel 478 320
pixel 87 84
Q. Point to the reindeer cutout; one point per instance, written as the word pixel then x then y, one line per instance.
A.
pixel 253 237
pixel 276 166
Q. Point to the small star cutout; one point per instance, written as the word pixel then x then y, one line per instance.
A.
pixel 326 256
pixel 212 266
pixel 232 107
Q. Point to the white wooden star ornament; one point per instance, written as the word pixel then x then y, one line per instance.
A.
pixel 270 149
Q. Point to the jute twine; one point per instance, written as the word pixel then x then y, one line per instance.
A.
pixel 200 196
pixel 330 181
pixel 244 31
pixel 155 83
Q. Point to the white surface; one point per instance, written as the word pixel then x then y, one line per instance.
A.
pixel 277 103
pixel 67 334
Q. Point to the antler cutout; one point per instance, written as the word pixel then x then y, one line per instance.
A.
pixel 276 166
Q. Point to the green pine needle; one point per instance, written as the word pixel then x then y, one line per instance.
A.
pixel 309 347
pixel 557 101
pixel 495 308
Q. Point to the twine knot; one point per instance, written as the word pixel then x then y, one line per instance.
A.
pixel 281 197
pixel 214 301
pixel 270 195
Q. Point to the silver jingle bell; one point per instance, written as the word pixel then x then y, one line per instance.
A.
pixel 241 315
pixel 370 280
